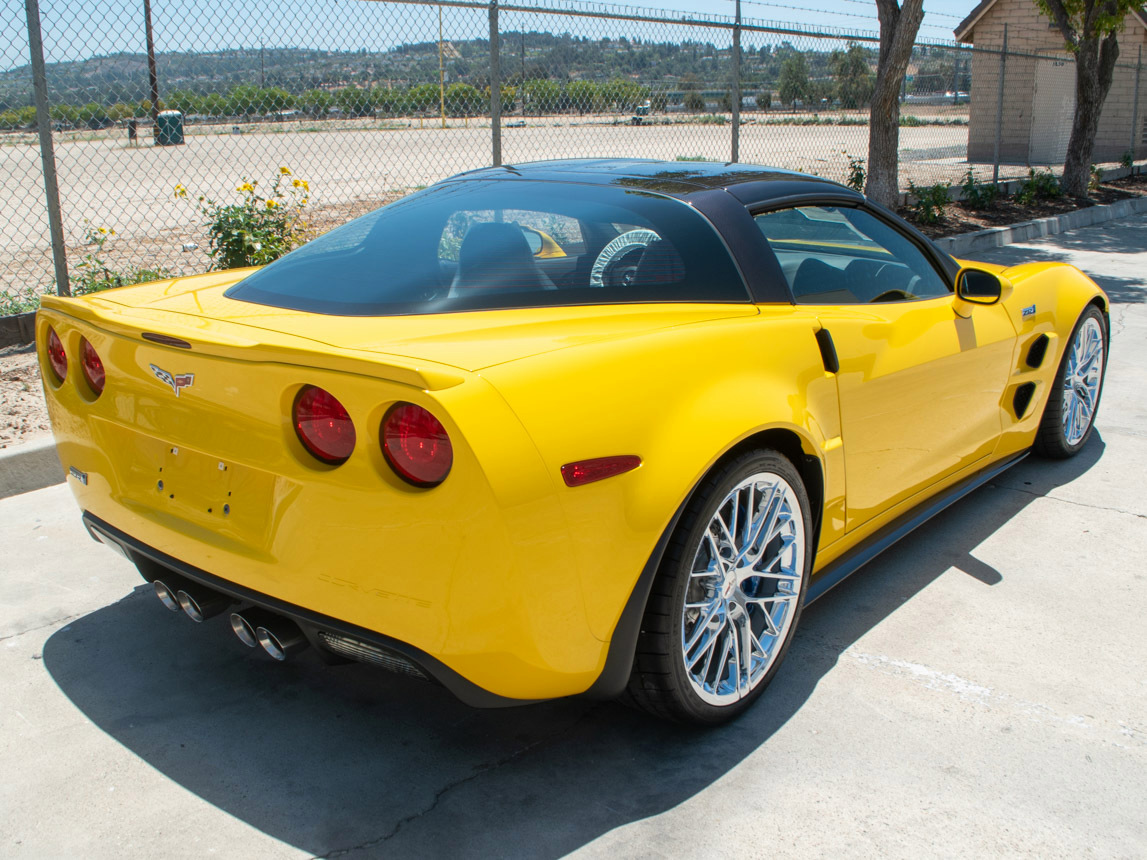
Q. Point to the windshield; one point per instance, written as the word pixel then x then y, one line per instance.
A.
pixel 476 245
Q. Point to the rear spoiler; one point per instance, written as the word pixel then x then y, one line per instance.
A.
pixel 247 343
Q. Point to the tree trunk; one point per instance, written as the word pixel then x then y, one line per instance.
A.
pixel 898 28
pixel 1094 71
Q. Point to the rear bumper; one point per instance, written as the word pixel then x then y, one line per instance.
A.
pixel 404 658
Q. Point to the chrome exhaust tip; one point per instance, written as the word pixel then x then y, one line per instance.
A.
pixel 281 638
pixel 246 622
pixel 201 603
pixel 167 590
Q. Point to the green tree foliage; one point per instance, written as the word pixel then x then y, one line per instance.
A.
pixel 694 101
pixel 794 82
pixel 1090 29
pixel 355 101
pixel 854 78
pixel 584 96
pixel 463 100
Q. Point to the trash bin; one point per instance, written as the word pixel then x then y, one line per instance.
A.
pixel 169 128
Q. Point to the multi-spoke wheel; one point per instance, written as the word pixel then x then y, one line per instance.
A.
pixel 1074 397
pixel 728 595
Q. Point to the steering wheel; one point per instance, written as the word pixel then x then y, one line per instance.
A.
pixel 616 265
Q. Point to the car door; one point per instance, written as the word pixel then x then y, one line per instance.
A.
pixel 921 378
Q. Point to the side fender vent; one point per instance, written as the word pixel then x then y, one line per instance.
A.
pixel 1023 398
pixel 1037 351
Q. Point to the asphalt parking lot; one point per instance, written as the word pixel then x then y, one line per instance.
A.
pixel 978 690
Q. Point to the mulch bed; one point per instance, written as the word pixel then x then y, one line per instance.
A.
pixel 958 218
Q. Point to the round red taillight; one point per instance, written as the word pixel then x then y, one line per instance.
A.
pixel 56 355
pixel 416 445
pixel 93 367
pixel 323 425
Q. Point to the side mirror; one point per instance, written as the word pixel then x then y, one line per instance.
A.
pixel 978 286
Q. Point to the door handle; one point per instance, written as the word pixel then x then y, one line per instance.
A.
pixel 827 351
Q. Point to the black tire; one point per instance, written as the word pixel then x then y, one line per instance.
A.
pixel 1051 439
pixel 659 682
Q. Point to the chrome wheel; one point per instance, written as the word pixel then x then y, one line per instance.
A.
pixel 744 589
pixel 1082 377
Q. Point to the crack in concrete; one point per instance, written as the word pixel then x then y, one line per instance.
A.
pixel 1071 501
pixel 449 787
pixel 63 620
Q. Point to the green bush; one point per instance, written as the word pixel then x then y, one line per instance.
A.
pixel 258 229
pixel 928 202
pixel 976 195
pixel 857 173
pixel 92 274
pixel 1038 187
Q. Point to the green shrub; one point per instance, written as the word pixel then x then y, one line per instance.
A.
pixel 928 202
pixel 92 274
pixel 19 300
pixel 1127 159
pixel 977 195
pixel 857 173
pixel 1096 178
pixel 1038 187
pixel 258 229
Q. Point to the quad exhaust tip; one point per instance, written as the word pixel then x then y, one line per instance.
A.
pixel 281 638
pixel 201 603
pixel 246 622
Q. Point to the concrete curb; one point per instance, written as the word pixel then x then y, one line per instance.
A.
pixel 30 466
pixel 997 237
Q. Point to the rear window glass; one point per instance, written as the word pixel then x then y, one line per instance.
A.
pixel 475 245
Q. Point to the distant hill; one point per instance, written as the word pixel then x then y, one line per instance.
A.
pixel 533 55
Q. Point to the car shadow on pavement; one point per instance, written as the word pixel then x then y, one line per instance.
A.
pixel 335 759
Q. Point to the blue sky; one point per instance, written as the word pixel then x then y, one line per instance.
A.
pixel 75 29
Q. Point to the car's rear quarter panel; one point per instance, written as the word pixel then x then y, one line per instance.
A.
pixel 679 399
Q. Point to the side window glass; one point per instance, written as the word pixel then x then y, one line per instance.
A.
pixel 838 255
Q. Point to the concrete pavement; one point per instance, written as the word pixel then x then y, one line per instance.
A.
pixel 978 690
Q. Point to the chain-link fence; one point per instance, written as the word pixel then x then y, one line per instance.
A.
pixel 346 105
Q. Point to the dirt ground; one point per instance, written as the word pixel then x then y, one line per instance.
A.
pixel 24 414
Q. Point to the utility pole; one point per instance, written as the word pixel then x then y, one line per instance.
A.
pixel 441 76
pixel 153 78
pixel 736 153
pixel 262 82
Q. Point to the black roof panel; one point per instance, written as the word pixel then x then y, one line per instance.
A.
pixel 675 178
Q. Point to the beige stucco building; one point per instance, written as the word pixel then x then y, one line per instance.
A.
pixel 1039 92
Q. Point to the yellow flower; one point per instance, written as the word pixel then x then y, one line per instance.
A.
pixel 246 186
pixel 103 231
pixel 303 202
pixel 271 204
pixel 111 232
pixel 296 183
pixel 285 171
pixel 305 186
pixel 180 191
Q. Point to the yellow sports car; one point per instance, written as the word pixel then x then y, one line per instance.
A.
pixel 575 427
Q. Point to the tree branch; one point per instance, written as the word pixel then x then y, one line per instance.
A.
pixel 1062 20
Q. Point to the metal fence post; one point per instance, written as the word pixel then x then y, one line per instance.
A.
pixel 1000 108
pixel 1135 105
pixel 495 88
pixel 152 77
pixel 47 152
pixel 736 142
